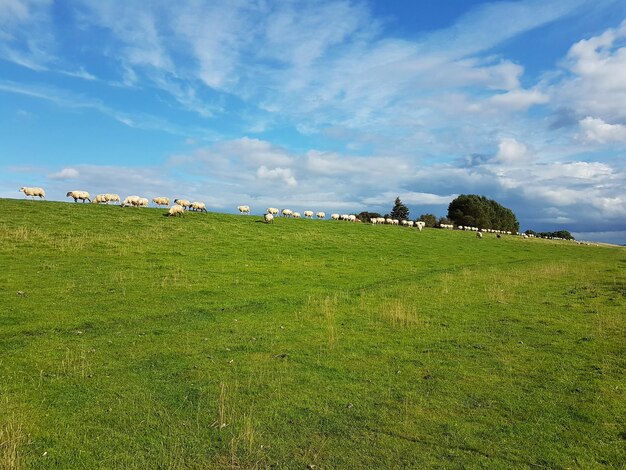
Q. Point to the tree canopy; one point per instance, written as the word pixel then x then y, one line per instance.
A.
pixel 478 211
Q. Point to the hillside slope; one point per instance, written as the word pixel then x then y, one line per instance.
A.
pixel 132 339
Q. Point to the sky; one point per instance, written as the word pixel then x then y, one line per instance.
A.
pixel 328 105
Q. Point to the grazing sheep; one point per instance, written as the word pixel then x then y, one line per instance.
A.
pixel 175 210
pixel 479 235
pixel 334 216
pixel 374 220
pixel 161 201
pixel 76 195
pixel 183 202
pixel 269 218
pixel 143 202
pixel 287 212
pixel 244 209
pixel 131 201
pixel 296 215
pixel 308 214
pixel 198 206
pixel 112 198
pixel 321 215
pixel 100 199
pixel 420 224
pixel 32 192
pixel 272 210
pixel 352 218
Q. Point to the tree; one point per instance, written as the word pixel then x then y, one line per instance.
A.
pixel 429 219
pixel 478 211
pixel 399 211
pixel 366 216
pixel 445 220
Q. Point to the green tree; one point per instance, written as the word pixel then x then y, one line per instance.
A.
pixel 429 219
pixel 399 211
pixel 366 216
pixel 478 211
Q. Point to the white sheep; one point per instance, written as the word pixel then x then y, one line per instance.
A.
pixel 479 235
pixel 131 201
pixel 76 195
pixel 352 218
pixel 296 215
pixel 176 210
pixel 404 222
pixel 272 210
pixel 308 214
pixel 143 202
pixel 410 223
pixel 420 224
pixel 269 218
pixel 100 199
pixel 112 198
pixel 287 212
pixel 321 215
pixel 374 220
pixel 32 192
pixel 161 201
pixel 334 216
pixel 183 202
pixel 244 209
pixel 198 206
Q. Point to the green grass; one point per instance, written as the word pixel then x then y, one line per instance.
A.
pixel 129 339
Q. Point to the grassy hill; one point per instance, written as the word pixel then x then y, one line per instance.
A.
pixel 129 339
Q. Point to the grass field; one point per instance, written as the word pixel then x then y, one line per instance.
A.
pixel 129 339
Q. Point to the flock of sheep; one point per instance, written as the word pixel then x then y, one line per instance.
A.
pixel 180 205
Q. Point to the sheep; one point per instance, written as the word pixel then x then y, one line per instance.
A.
pixel 143 202
pixel 395 222
pixel 272 210
pixel 334 216
pixel 161 201
pixel 479 235
pixel 131 201
pixel 381 220
pixel 76 195
pixel 296 215
pixel 183 202
pixel 404 222
pixel 269 218
pixel 308 214
pixel 32 192
pixel 100 199
pixel 321 215
pixel 244 209
pixel 112 198
pixel 176 210
pixel 287 212
pixel 374 220
pixel 410 223
pixel 420 224
pixel 198 206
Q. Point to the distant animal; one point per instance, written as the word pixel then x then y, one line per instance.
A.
pixel 183 202
pixel 131 201
pixel 244 209
pixel 100 199
pixel 112 198
pixel 175 211
pixel 334 216
pixel 287 212
pixel 272 210
pixel 420 224
pixel 269 218
pixel 321 215
pixel 198 206
pixel 161 201
pixel 308 214
pixel 479 235
pixel 33 192
pixel 143 202
pixel 296 215
pixel 76 195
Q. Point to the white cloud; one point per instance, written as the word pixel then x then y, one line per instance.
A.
pixel 510 151
pixel 411 198
pixel 64 174
pixel 283 174
pixel 596 130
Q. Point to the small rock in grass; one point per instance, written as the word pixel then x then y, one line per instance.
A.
pixel 349 405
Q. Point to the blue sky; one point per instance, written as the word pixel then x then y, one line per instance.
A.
pixel 325 105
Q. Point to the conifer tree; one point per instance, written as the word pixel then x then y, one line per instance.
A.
pixel 399 211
